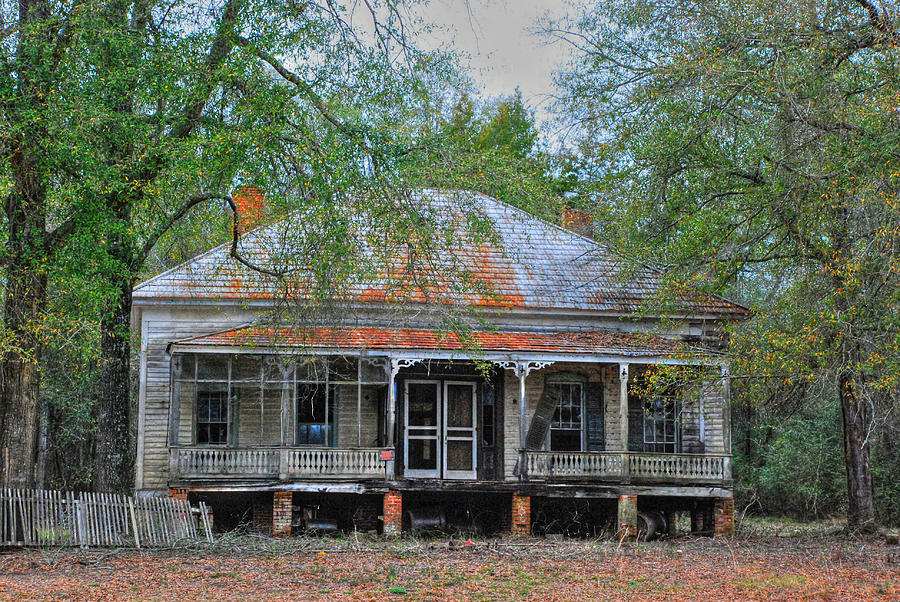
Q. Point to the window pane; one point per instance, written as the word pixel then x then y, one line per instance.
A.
pixel 565 440
pixel 278 369
pixel 311 401
pixel 343 368
pixel 183 366
pixel 374 370
pixel 245 367
pixel 315 414
pixel 212 367
pixel 311 369
pixel 422 454
pixel 459 455
pixel 212 413
pixel 423 407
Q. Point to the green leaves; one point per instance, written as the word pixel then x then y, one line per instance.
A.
pixel 748 148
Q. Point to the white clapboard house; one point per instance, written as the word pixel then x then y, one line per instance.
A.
pixel 379 416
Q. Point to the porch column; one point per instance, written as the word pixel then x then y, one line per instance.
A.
pixel 522 373
pixel 390 437
pixel 287 435
pixel 623 407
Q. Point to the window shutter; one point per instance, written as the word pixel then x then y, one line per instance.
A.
pixel 593 404
pixel 537 432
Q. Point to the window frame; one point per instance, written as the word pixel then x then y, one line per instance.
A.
pixel 581 415
pixel 198 422
pixel 330 415
pixel 670 406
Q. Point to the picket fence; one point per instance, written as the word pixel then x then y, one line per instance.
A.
pixel 41 517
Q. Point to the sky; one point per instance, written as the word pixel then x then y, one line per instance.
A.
pixel 502 51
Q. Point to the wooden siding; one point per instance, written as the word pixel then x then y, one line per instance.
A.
pixel 160 327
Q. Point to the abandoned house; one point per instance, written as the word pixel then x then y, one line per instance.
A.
pixel 381 417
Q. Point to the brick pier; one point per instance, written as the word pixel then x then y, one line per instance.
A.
pixel 282 513
pixel 521 514
pixel 392 513
pixel 628 516
pixel 724 517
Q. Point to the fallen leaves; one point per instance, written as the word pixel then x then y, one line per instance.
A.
pixel 767 568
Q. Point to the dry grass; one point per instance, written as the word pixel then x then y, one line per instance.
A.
pixel 243 566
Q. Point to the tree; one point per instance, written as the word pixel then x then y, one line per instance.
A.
pixel 757 145
pixel 120 118
pixel 492 147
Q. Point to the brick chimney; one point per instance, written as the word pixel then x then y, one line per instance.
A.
pixel 578 221
pixel 251 204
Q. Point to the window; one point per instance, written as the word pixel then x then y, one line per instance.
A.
pixel 212 414
pixel 661 425
pixel 315 414
pixel 566 426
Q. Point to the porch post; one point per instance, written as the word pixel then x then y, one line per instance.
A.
pixel 175 402
pixel 522 372
pixel 623 406
pixel 287 373
pixel 726 409
pixel 393 368
pixel 359 377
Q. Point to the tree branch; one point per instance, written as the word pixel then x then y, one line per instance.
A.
pixel 235 238
pixel 304 87
pixel 881 21
pixel 174 218
pixel 222 45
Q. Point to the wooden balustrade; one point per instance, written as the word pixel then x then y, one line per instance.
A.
pixel 274 462
pixel 623 466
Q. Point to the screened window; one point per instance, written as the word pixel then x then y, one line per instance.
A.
pixel 566 428
pixel 212 414
pixel 315 414
pixel 661 425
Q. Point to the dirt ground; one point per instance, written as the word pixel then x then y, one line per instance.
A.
pixel 255 568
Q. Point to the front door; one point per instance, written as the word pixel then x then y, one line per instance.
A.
pixel 440 428
pixel 460 443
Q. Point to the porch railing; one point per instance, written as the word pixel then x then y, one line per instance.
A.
pixel 274 462
pixel 625 466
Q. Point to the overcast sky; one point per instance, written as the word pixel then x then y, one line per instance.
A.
pixel 503 51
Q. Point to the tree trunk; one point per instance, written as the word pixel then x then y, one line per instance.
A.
pixel 26 289
pixel 861 502
pixel 26 278
pixel 113 458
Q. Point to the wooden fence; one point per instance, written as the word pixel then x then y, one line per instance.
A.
pixel 38 517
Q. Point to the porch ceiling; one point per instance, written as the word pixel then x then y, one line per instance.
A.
pixel 578 342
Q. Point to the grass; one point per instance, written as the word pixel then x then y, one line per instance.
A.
pixel 786 561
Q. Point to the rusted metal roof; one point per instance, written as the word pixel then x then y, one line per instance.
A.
pixel 579 342
pixel 529 264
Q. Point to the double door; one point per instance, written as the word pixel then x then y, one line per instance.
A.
pixel 440 429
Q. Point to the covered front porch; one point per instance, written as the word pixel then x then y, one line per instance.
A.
pixel 353 406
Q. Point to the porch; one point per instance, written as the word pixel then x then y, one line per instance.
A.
pixel 296 463
pixel 388 415
pixel 627 467
pixel 276 463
